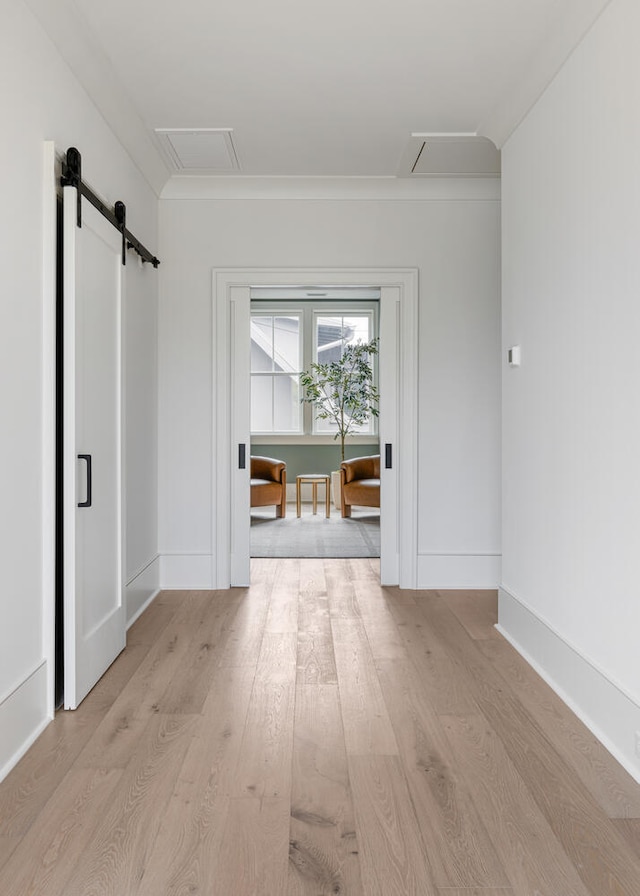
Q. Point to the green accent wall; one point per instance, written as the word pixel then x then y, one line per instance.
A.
pixel 302 459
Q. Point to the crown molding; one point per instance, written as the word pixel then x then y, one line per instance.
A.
pixel 333 188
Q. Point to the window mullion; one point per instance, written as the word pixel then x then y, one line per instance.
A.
pixel 308 323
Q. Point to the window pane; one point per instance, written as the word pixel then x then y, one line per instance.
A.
pixel 286 404
pixel 275 343
pixel 358 327
pixel 261 343
pixel 328 339
pixel 335 331
pixel 275 403
pixel 261 404
pixel 286 344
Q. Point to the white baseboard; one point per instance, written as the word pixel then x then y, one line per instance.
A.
pixel 178 571
pixel 611 715
pixel 458 571
pixel 184 571
pixel 141 589
pixel 23 717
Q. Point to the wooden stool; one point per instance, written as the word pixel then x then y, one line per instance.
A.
pixel 313 479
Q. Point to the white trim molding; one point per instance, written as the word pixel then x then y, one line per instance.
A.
pixel 186 571
pixel 459 571
pixel 334 189
pixel 587 690
pixel 24 714
pixel 49 298
pixel 142 587
pixel 400 282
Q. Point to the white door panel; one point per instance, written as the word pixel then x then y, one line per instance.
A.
pixel 239 320
pixel 94 613
pixel 389 403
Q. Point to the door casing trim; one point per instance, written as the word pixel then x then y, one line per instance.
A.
pixel 224 281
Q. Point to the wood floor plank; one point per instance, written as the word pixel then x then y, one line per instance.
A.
pixel 313 602
pixel 64 830
pixel 40 771
pixel 141 638
pixel 108 689
pixel 246 790
pixel 385 641
pixel 605 862
pixel 529 850
pixel 363 570
pixel 278 656
pixel 246 630
pixel 372 597
pixel 392 854
pixel 323 849
pixel 26 791
pixel 611 786
pixel 313 612
pixel 188 691
pixel 185 854
pixel 367 727
pixel 476 891
pixel 119 851
pixel 7 847
pixel 439 670
pixel 477 611
pixel 264 762
pixel 282 615
pixel 630 830
pixel 155 618
pixel 343 601
pixel 116 736
pixel 253 858
pixel 316 663
pixel 460 849
pixel 263 570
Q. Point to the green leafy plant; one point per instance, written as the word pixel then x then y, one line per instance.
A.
pixel 344 391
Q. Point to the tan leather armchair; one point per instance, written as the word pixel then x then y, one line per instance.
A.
pixel 269 484
pixel 360 483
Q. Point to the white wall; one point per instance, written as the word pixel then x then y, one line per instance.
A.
pixel 449 230
pixel 142 572
pixel 40 100
pixel 571 447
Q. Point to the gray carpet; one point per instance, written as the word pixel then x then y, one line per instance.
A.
pixel 315 536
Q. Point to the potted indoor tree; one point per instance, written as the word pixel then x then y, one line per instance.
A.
pixel 344 393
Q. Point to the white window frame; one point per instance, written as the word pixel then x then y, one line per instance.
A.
pixel 310 310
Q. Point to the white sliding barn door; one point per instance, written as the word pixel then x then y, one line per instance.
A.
pixel 94 612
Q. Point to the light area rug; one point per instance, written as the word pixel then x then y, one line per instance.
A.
pixel 313 535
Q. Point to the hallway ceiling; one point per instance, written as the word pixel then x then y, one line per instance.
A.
pixel 289 88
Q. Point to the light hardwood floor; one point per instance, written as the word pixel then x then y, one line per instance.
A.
pixel 317 734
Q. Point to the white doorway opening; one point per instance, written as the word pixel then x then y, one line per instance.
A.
pixel 231 413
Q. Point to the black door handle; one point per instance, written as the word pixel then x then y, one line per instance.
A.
pixel 242 456
pixel 387 456
pixel 87 458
